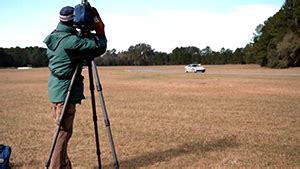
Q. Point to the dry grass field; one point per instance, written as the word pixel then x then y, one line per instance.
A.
pixel 231 116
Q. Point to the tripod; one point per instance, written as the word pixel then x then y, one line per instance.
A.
pixel 92 71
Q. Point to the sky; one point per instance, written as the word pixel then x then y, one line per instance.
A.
pixel 163 24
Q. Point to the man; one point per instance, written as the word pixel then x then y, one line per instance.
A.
pixel 62 66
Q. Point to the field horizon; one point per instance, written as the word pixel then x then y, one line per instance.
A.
pixel 229 117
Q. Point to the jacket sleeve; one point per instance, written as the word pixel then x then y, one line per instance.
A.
pixel 84 48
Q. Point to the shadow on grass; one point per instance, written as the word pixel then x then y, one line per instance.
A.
pixel 151 158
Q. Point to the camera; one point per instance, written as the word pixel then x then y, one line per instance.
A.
pixel 83 16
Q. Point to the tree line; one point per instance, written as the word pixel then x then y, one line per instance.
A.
pixel 140 54
pixel 275 43
pixel 144 54
pixel 18 57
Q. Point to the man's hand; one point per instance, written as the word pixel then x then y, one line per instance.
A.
pixel 99 25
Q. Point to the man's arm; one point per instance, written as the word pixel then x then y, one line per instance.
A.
pixel 92 46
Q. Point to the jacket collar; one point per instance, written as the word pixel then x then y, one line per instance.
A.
pixel 65 28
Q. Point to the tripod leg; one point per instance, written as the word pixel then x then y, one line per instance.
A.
pixel 92 88
pixel 105 115
pixel 47 164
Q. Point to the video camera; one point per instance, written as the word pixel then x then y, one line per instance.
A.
pixel 83 16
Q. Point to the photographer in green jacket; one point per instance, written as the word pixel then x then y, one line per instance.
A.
pixel 62 66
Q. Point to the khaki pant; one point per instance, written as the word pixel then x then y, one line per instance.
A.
pixel 60 159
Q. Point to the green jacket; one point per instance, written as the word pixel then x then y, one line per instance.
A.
pixel 62 65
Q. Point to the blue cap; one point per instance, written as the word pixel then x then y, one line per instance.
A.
pixel 66 14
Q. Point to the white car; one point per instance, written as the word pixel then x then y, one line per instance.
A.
pixel 195 68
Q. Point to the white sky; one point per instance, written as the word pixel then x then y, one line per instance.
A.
pixel 165 30
pixel 164 27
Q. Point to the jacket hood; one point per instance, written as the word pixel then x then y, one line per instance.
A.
pixel 52 41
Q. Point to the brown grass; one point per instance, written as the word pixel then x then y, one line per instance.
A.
pixel 231 116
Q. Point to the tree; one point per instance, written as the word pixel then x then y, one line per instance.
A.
pixel 238 56
pixel 109 58
pixel 140 54
pixel 185 55
pixel 161 58
pixel 276 42
pixel 36 56
pixel 5 59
